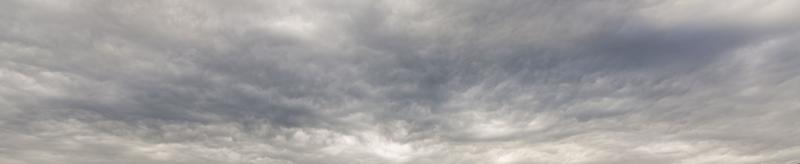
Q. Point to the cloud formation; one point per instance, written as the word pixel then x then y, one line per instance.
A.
pixel 357 81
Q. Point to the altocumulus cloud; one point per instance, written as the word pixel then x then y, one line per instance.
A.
pixel 411 81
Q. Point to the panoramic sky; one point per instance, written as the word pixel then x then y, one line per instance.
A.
pixel 399 81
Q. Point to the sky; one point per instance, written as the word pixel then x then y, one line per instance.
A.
pixel 399 81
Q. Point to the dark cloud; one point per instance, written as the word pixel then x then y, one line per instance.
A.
pixel 398 82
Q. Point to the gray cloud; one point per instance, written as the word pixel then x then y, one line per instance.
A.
pixel 317 82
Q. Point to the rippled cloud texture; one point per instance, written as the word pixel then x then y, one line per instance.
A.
pixel 399 82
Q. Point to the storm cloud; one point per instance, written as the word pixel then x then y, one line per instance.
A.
pixel 407 81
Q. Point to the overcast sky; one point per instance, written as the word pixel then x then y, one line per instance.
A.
pixel 399 81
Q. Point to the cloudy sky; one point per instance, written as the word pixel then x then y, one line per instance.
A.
pixel 399 81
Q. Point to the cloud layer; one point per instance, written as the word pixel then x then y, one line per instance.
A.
pixel 428 82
